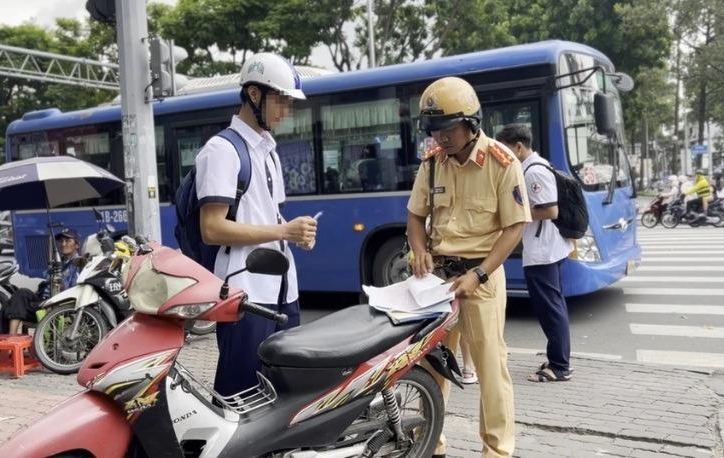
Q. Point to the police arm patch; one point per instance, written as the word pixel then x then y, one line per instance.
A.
pixel 535 187
pixel 517 196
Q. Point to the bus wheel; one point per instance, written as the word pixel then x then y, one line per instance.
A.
pixel 390 264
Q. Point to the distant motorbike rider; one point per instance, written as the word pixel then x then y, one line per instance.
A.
pixel 702 188
pixel 672 192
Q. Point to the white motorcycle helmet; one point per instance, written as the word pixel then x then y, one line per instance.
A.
pixel 271 70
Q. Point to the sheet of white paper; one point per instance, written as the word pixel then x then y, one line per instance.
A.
pixel 410 295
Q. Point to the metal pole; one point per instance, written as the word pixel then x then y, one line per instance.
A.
pixel 710 145
pixel 370 34
pixel 139 141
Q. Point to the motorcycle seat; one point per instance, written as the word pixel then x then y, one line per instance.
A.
pixel 346 338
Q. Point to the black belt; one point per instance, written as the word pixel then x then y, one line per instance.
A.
pixel 455 265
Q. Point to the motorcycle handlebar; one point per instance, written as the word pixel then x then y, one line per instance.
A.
pixel 263 312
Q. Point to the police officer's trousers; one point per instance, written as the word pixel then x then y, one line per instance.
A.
pixel 481 324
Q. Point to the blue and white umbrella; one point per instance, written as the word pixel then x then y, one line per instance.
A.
pixel 45 182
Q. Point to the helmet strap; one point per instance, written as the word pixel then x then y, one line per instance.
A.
pixel 257 109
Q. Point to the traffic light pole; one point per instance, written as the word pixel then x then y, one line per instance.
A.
pixel 139 141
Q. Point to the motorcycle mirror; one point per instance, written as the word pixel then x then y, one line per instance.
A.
pixel 265 261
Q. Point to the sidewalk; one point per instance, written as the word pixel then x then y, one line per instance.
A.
pixel 608 409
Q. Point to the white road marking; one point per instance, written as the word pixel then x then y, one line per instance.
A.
pixel 681 358
pixel 711 332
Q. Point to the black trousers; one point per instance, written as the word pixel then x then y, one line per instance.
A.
pixel 546 296
pixel 22 305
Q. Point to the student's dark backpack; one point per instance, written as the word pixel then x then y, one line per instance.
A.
pixel 188 229
pixel 572 220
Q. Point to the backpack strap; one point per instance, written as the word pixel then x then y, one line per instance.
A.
pixel 553 171
pixel 540 163
pixel 244 178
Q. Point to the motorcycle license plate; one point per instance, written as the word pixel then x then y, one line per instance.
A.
pixel 630 266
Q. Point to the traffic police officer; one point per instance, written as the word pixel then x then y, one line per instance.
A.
pixel 479 209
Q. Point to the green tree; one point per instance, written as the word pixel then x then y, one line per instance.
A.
pixel 19 96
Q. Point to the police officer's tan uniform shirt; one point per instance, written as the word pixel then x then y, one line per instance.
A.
pixel 473 201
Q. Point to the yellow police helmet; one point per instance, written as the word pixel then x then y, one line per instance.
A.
pixel 449 101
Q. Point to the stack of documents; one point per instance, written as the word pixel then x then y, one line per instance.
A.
pixel 412 299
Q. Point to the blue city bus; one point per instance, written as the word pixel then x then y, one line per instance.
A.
pixel 352 150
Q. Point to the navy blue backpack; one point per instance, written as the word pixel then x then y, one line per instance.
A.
pixel 188 218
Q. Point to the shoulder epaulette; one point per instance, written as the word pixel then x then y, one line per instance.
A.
pixel 432 152
pixel 499 155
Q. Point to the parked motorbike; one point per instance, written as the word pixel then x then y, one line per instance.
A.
pixel 346 385
pixel 7 289
pixel 652 216
pixel 77 318
pixel 691 213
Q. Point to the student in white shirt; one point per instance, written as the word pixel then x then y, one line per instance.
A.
pixel 269 83
pixel 544 250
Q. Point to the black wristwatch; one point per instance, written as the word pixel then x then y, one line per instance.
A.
pixel 482 276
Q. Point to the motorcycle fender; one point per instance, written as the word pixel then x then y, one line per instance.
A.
pixel 88 421
pixel 80 294
pixel 443 361
pixel 109 313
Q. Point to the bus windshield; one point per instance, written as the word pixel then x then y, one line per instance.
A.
pixel 592 156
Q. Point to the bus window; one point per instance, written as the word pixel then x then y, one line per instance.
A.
pixel 34 145
pixel 294 147
pixel 164 186
pixel 361 143
pixel 189 141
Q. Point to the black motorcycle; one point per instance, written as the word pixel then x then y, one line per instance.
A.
pixel 691 213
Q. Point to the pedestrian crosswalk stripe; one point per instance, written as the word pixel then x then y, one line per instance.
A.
pixel 674 291
pixel 671 279
pixel 676 308
pixel 677 331
pixel 681 358
pixel 697 259
pixel 647 268
pixel 669 249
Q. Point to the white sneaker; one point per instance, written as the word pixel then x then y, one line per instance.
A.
pixel 469 377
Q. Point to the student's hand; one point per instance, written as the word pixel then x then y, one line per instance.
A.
pixel 421 263
pixel 301 230
pixel 465 285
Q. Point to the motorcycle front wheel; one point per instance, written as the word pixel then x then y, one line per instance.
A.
pixel 422 413
pixel 648 219
pixel 669 220
pixel 52 343
pixel 202 328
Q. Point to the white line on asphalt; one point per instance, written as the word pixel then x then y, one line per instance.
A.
pixel 697 259
pixel 647 268
pixel 648 249
pixel 675 291
pixel 676 308
pixel 672 279
pixel 712 332
pixel 681 358
pixel 577 354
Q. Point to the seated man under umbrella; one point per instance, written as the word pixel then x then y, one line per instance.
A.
pixel 24 303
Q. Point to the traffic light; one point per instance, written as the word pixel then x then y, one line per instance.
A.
pixel 164 57
pixel 102 10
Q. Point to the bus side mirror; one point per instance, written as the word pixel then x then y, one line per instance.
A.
pixel 605 114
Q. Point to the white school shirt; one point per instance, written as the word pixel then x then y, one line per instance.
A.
pixel 217 170
pixel 549 246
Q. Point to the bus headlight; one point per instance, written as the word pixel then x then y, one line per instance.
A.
pixel 585 249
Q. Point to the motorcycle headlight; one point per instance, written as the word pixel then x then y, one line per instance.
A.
pixel 189 311
pixel 149 288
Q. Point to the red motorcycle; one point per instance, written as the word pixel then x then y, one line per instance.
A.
pixel 652 216
pixel 345 385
